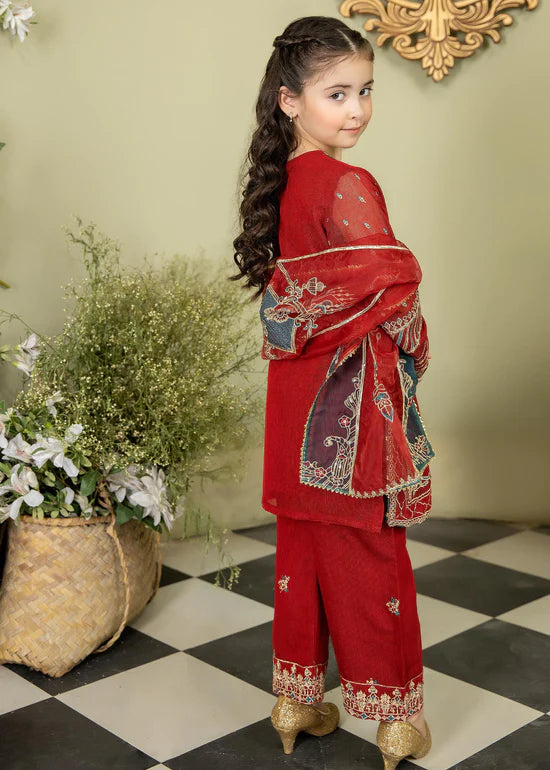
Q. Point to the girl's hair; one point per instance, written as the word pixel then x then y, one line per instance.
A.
pixel 306 48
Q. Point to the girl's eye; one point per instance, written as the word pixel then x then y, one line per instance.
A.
pixel 366 88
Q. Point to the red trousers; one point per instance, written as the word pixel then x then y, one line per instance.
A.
pixel 359 587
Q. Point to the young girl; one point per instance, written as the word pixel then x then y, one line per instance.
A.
pixel 346 456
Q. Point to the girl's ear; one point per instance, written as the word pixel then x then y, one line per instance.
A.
pixel 287 102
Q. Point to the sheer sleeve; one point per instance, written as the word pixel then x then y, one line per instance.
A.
pixel 357 207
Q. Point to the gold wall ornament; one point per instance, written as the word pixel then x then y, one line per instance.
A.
pixel 438 47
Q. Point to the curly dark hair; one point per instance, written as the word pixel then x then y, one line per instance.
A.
pixel 307 46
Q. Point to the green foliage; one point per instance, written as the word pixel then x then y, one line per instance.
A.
pixel 145 362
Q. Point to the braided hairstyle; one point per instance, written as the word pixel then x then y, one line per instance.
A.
pixel 307 46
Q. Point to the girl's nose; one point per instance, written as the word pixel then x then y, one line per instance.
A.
pixel 355 111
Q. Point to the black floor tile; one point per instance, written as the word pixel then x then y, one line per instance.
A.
pixel 248 655
pixel 131 649
pixel 256 579
pixel 49 735
pixel 459 534
pixel 504 658
pixel 478 585
pixel 259 746
pixel 170 575
pixel 267 533
pixel 525 749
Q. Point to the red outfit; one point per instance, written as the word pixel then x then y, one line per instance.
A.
pixel 345 452
pixel 334 213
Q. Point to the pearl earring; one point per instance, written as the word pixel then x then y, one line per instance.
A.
pixel 290 116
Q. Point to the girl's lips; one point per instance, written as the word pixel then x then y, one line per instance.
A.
pixel 352 129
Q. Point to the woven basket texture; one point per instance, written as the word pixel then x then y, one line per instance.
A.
pixel 70 586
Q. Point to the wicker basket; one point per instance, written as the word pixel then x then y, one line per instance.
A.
pixel 71 584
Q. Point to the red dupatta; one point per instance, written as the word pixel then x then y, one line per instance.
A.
pixel 364 436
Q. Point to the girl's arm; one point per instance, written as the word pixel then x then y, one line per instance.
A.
pixel 356 207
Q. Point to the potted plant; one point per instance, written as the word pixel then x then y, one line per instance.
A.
pixel 119 413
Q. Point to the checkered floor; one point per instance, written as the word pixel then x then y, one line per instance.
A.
pixel 188 685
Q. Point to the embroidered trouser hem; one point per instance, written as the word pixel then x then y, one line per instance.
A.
pixel 358 588
pixel 364 700
pixel 305 684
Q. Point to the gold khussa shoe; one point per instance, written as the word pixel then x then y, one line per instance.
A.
pixel 289 717
pixel 397 740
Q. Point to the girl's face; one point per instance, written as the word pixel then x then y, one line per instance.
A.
pixel 328 107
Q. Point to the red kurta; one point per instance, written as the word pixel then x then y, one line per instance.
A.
pixel 314 216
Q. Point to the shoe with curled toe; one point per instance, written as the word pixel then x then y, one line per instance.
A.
pixel 289 717
pixel 397 740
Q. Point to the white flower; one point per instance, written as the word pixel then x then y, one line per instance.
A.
pixel 53 449
pixel 5 417
pixel 18 449
pixel 152 497
pixel 69 494
pixel 24 484
pixel 85 506
pixel 3 439
pixel 26 353
pixel 15 16
pixel 73 432
pixel 124 481
pixel 54 400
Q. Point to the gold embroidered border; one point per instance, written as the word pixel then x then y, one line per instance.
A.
pixel 306 684
pixel 391 511
pixel 372 700
pixel 341 248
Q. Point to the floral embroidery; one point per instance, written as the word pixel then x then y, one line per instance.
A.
pixel 305 684
pixel 361 199
pixel 336 475
pixel 333 470
pixel 393 605
pixel 371 700
pixel 283 583
pixel 383 401
pixel 366 224
pixel 411 505
pixel 339 195
pixel 385 230
pixel 406 330
pixel 282 316
pixel 419 447
pixel 380 396
pixel 345 221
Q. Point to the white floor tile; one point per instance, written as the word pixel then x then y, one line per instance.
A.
pixel 534 615
pixel 170 705
pixel 192 611
pixel 16 692
pixel 525 551
pixel 422 553
pixel 189 555
pixel 440 620
pixel 463 719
